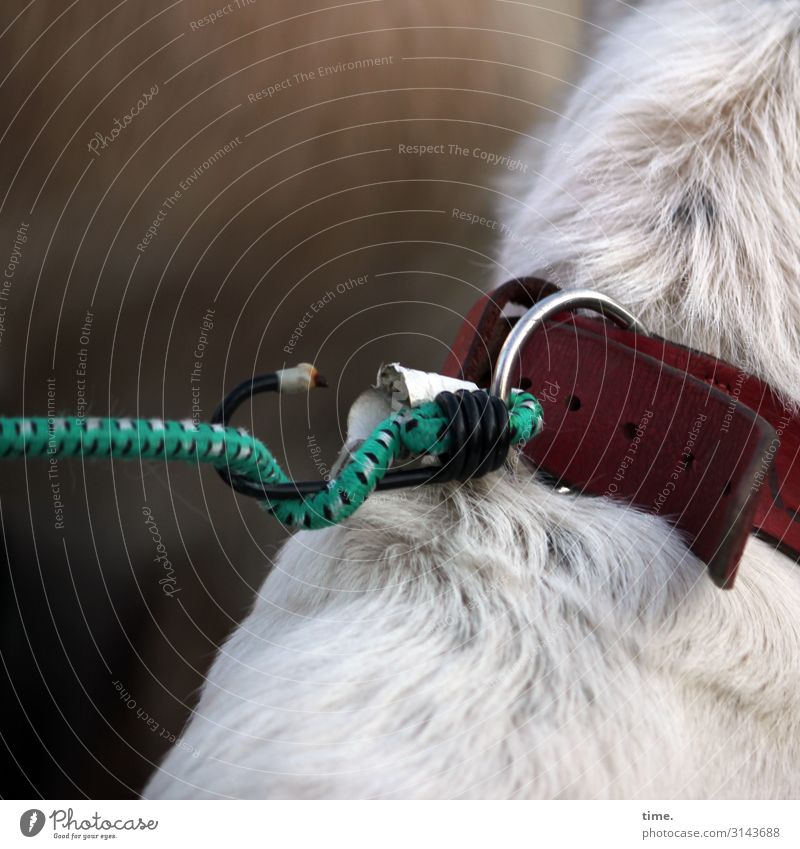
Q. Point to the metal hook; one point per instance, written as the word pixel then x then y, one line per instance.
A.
pixel 567 301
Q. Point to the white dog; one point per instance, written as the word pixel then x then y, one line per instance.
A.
pixel 503 640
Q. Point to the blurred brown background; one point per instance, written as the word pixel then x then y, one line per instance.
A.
pixel 100 666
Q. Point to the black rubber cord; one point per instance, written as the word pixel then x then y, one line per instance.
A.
pixel 480 432
pixel 477 421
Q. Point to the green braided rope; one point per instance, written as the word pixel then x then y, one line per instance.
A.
pixel 148 439
pixel 391 438
pixel 243 454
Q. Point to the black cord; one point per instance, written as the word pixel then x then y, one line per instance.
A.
pixel 477 421
pixel 480 434
pixel 244 392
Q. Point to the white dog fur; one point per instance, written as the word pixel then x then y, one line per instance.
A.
pixel 503 640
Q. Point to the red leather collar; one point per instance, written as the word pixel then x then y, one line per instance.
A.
pixel 667 429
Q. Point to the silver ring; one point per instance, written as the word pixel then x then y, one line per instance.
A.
pixel 577 299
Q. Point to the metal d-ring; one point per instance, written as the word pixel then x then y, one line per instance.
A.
pixel 568 301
